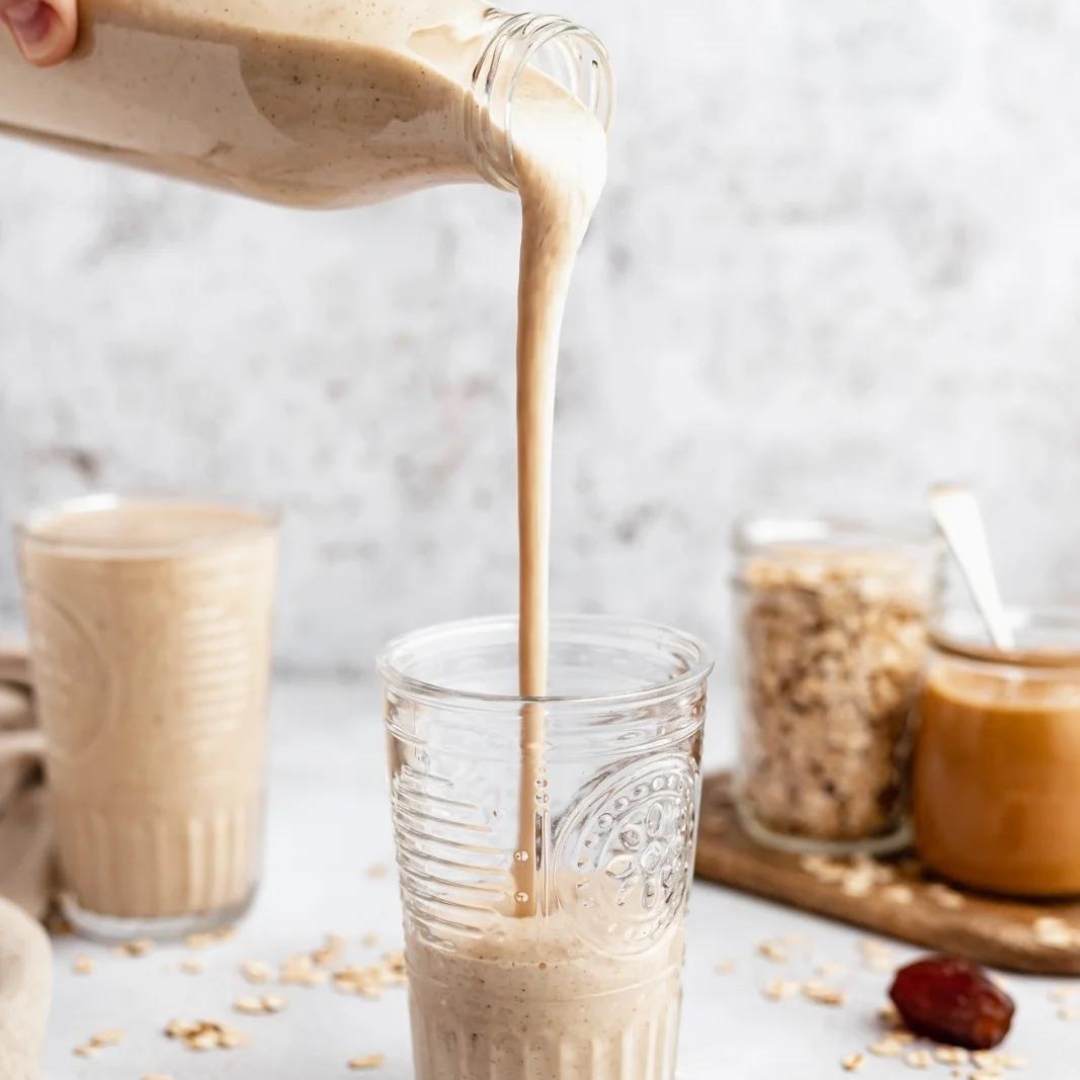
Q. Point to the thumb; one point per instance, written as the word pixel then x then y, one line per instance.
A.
pixel 44 30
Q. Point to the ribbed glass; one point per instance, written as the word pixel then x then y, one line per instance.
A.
pixel 589 987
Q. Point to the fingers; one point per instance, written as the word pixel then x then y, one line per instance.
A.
pixel 44 30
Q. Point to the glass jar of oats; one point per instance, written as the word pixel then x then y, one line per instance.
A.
pixel 832 638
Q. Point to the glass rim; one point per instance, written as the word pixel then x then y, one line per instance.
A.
pixel 251 520
pixel 699 655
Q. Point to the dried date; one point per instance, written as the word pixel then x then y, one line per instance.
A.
pixel 952 1001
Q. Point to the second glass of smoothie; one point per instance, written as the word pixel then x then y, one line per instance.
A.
pixel 150 625
pixel 588 987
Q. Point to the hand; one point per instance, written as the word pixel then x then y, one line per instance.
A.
pixel 44 30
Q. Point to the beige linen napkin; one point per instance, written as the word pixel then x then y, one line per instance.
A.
pixel 25 875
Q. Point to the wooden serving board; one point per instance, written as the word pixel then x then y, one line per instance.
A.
pixel 902 902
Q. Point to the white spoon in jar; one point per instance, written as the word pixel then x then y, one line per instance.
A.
pixel 957 514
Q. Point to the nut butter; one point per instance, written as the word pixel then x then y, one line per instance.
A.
pixel 996 782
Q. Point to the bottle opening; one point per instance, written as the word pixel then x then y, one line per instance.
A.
pixel 569 55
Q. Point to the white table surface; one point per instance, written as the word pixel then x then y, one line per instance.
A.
pixel 328 822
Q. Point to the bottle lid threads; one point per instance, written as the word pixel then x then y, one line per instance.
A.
pixel 570 55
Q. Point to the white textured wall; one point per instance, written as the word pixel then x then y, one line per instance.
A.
pixel 839 257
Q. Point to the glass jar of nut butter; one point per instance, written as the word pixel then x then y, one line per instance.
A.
pixel 996 783
pixel 832 633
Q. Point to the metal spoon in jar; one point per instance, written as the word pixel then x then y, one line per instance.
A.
pixel 957 514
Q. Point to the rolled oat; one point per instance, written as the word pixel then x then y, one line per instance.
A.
pixel 833 645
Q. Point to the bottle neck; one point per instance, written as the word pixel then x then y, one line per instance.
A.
pixel 569 55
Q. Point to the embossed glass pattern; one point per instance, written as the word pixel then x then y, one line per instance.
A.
pixel 149 630
pixel 589 988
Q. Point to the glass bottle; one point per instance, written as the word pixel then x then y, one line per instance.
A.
pixel 302 102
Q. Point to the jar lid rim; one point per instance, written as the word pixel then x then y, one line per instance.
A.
pixel 774 532
pixel 1048 636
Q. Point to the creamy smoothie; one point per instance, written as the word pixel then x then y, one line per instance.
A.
pixel 560 153
pixel 532 1001
pixel 304 103
pixel 150 644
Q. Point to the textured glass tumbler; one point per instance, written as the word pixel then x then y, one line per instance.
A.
pixel 150 627
pixel 588 988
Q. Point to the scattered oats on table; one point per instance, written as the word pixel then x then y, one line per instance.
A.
pixel 191 967
pixel 863 874
pixel 84 965
pixel 378 870
pixel 329 951
pixel 898 894
pixel 109 1037
pixel 370 940
pixel 206 1034
pixel 990 1060
pixel 952 1055
pixel 134 949
pixel 919 1059
pixel 260 1006
pixel 301 970
pixel 889 1014
pixel 85 1051
pixel 886 1047
pixel 1054 932
pixel 820 994
pixel 779 989
pixel 773 950
pixel 725 967
pixel 823 869
pixel 372 1061
pixel 944 897
pixel 853 1062
pixel 256 971
pixel 204 1040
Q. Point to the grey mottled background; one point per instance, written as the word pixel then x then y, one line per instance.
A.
pixel 839 257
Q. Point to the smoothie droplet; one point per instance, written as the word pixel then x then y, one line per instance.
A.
pixel 521 856
pixel 521 897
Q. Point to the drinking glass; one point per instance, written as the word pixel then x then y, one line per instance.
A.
pixel 588 986
pixel 150 626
